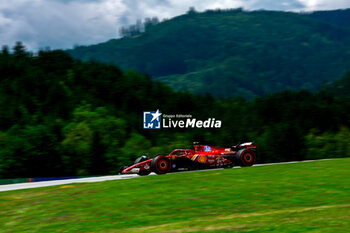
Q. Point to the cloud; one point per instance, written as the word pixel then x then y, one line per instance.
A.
pixel 58 24
pixel 313 5
pixel 287 5
pixel 64 23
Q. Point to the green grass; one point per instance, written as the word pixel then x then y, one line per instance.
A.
pixel 300 197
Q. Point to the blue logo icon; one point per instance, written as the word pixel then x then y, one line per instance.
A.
pixel 207 148
pixel 151 120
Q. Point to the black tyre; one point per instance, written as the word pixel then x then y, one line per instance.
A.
pixel 160 165
pixel 144 173
pixel 246 158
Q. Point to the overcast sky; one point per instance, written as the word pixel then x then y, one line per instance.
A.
pixel 65 23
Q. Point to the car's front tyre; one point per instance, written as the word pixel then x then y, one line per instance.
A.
pixel 160 164
pixel 144 173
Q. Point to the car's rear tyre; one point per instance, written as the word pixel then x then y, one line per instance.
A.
pixel 160 165
pixel 246 158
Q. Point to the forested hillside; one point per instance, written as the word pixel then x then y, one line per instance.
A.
pixel 340 87
pixel 231 53
pixel 60 116
pixel 340 18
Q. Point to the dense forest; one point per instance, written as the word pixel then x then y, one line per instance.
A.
pixel 60 116
pixel 232 53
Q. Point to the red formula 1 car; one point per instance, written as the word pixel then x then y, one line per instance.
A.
pixel 201 157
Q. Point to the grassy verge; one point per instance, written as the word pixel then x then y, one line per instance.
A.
pixel 310 196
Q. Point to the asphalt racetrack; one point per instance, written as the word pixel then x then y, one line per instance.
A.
pixel 10 187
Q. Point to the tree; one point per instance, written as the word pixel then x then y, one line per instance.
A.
pixel 191 10
pixel 134 147
pixel 5 50
pixel 31 151
pixel 328 144
pixel 124 32
pixel 19 49
pixel 94 137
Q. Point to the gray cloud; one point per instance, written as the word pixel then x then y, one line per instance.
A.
pixel 277 5
pixel 63 23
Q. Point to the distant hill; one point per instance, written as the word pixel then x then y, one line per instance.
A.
pixel 236 53
pixel 336 17
pixel 340 87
